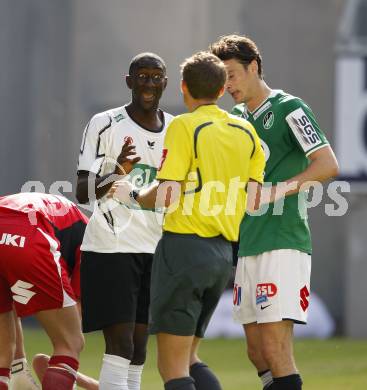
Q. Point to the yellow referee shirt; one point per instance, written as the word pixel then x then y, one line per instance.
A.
pixel 213 155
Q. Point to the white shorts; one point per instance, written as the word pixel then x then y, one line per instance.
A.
pixel 272 287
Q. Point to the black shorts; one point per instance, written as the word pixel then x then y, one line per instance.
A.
pixel 188 277
pixel 115 288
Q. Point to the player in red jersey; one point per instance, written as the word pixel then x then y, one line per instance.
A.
pixel 40 237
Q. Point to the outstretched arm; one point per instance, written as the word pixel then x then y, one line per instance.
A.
pixel 101 185
pixel 160 194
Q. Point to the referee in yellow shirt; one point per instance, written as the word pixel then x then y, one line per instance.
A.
pixel 208 159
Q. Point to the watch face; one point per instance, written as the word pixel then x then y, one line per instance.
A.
pixel 134 194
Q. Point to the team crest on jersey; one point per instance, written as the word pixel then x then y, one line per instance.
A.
pixel 268 120
pixel 129 140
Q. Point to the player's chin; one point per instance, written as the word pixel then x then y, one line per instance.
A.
pixel 237 97
pixel 149 105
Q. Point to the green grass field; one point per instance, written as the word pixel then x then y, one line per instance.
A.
pixel 336 364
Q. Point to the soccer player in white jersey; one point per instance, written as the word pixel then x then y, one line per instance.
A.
pixel 119 241
pixel 272 284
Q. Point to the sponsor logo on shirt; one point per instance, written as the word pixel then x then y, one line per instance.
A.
pixel 303 129
pixel 12 240
pixel 268 120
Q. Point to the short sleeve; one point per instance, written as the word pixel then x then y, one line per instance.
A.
pixel 304 128
pixel 92 150
pixel 257 162
pixel 177 152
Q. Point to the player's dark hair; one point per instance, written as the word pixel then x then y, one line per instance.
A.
pixel 241 48
pixel 204 74
pixel 146 60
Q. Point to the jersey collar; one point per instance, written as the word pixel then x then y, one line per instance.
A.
pixel 260 108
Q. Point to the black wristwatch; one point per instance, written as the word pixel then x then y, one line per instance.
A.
pixel 134 195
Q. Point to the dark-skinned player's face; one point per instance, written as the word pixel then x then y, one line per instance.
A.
pixel 147 83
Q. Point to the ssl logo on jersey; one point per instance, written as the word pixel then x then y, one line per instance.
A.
pixel 265 291
pixel 302 128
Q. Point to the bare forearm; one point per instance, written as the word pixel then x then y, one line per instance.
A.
pixel 147 197
pixel 319 170
pixel 159 195
pixel 305 179
pixel 90 188
pixel 323 166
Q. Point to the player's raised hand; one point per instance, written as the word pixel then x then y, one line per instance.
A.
pixel 124 163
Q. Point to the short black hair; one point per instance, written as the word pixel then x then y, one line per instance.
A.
pixel 204 74
pixel 146 60
pixel 240 48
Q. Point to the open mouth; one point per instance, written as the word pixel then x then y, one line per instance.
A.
pixel 148 96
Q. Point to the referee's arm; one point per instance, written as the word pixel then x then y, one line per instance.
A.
pixel 161 194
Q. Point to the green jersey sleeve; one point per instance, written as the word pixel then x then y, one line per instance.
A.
pixel 303 127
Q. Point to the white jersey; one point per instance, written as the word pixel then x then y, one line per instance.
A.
pixel 114 227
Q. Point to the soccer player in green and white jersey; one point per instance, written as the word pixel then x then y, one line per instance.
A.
pixel 272 284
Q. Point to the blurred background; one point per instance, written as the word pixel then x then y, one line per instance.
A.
pixel 64 60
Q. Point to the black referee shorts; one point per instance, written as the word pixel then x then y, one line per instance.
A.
pixel 115 288
pixel 188 277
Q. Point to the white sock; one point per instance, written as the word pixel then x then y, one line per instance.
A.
pixel 134 377
pixel 21 376
pixel 4 379
pixel 114 373
pixel 18 365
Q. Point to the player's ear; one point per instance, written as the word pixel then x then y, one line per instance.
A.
pixel 253 67
pixel 165 83
pixel 221 92
pixel 129 81
pixel 183 87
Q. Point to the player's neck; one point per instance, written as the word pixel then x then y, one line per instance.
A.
pixel 260 94
pixel 196 103
pixel 149 119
